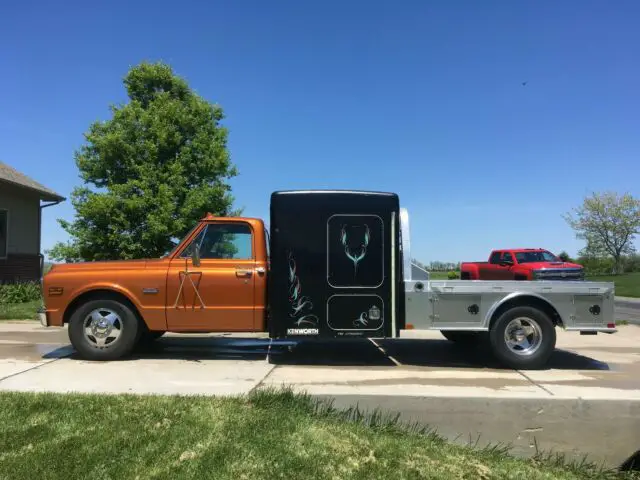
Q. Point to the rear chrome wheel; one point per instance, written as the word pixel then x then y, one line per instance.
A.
pixel 523 336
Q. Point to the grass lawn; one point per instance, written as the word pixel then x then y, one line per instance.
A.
pixel 20 311
pixel 438 275
pixel 627 285
pixel 264 435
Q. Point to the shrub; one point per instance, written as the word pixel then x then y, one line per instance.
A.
pixel 452 275
pixel 20 292
pixel 596 266
pixel 632 263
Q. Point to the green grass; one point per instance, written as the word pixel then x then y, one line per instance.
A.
pixel 265 435
pixel 20 311
pixel 439 275
pixel 627 285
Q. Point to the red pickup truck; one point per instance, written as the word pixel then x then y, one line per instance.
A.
pixel 521 264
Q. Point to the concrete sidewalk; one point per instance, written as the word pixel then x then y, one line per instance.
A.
pixel 628 299
pixel 588 402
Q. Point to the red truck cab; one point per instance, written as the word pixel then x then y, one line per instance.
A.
pixel 521 264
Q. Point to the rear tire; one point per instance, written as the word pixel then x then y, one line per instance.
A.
pixel 103 329
pixel 523 338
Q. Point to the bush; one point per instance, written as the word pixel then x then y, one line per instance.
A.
pixel 452 275
pixel 631 263
pixel 20 292
pixel 596 266
pixel 604 265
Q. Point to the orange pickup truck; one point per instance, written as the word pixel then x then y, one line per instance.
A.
pixel 334 264
pixel 111 305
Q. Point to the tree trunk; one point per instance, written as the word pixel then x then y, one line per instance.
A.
pixel 616 264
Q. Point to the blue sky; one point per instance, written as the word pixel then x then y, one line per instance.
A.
pixel 421 98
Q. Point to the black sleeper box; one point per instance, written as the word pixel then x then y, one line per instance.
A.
pixel 330 264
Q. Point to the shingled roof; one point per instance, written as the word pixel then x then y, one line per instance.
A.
pixel 11 175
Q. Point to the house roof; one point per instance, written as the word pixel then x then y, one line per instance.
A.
pixel 11 175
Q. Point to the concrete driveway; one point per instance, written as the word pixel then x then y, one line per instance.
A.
pixel 587 402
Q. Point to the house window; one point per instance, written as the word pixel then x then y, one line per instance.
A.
pixel 4 233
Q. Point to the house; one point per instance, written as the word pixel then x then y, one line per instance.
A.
pixel 21 202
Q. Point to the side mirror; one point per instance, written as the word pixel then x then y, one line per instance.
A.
pixel 195 257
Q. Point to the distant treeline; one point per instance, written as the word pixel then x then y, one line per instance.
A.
pixel 439 266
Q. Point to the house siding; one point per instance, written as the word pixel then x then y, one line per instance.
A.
pixel 24 221
pixel 23 261
pixel 20 268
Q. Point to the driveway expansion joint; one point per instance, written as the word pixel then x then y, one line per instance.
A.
pixel 533 382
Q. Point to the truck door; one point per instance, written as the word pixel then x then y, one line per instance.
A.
pixel 504 271
pixel 217 295
pixel 491 270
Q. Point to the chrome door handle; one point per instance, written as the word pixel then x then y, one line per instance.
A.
pixel 243 273
pixel 261 270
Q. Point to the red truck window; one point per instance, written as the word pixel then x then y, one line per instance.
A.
pixel 507 257
pixel 495 257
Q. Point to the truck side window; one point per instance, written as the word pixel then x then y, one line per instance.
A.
pixel 507 257
pixel 495 257
pixel 219 241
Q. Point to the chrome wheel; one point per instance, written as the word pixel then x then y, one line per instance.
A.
pixel 102 327
pixel 523 336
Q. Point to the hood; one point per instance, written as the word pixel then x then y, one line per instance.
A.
pixel 105 265
pixel 552 265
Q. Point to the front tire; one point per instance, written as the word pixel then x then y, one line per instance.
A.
pixel 523 338
pixel 103 329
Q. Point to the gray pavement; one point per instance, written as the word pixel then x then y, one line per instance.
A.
pixel 587 402
pixel 628 309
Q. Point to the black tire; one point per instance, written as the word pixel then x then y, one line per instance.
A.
pixel 536 358
pixel 97 347
pixel 461 338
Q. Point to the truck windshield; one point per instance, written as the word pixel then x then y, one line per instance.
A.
pixel 178 241
pixel 530 257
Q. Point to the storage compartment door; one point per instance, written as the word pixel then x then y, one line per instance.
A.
pixel 457 310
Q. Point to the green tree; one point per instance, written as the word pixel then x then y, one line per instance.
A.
pixel 150 172
pixel 564 256
pixel 608 222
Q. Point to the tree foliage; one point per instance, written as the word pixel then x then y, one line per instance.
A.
pixel 608 222
pixel 564 256
pixel 150 172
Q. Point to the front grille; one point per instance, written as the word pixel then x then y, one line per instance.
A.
pixel 559 274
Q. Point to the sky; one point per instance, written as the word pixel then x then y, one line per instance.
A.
pixel 489 119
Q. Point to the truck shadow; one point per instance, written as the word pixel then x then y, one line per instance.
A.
pixel 442 353
pixel 345 352
pixel 357 352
